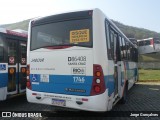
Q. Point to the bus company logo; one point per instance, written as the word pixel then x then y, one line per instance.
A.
pixel 37 60
pixel 6 114
pixel 2 67
pixel 78 71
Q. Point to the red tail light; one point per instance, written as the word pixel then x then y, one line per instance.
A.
pixel 28 80
pixel 97 88
pixel 98 84
pixel 151 42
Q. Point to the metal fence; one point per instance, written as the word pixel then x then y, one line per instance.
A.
pixel 149 65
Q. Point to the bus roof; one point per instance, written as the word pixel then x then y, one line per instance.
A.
pixel 12 32
pixel 61 16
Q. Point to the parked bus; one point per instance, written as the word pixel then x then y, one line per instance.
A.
pixel 13 49
pixel 149 45
pixel 79 60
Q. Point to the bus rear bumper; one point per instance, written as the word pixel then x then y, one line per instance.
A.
pixel 88 103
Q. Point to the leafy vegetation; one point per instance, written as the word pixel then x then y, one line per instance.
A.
pixel 134 32
pixel 149 75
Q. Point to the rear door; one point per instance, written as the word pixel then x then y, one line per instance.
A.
pixel 116 49
pixel 12 67
pixel 22 66
pixel 114 37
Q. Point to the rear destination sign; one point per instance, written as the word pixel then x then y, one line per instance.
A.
pixel 77 36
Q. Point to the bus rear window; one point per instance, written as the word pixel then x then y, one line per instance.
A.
pixel 147 42
pixel 65 33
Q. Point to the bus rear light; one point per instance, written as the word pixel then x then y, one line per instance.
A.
pixel 98 83
pixel 28 79
pixel 11 70
pixel 97 89
pixel 98 74
pixel 23 70
pixel 151 42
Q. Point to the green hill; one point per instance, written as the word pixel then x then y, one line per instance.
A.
pixel 135 32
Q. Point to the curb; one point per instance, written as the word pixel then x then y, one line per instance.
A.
pixel 149 81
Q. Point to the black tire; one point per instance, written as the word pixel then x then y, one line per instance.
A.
pixel 124 98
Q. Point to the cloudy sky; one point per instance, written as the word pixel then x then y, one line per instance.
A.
pixel 138 13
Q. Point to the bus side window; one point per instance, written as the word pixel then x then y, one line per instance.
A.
pixel 140 43
pixel 1 54
pixel 108 43
pixel 121 47
pixel 127 49
pixel 124 49
pixel 112 44
pixel 131 53
pixel 146 42
pixel 1 50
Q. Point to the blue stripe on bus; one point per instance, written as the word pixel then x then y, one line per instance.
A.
pixel 62 84
pixel 109 83
pixel 3 79
pixel 59 83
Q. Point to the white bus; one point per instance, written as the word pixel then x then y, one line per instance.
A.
pixel 148 45
pixel 13 52
pixel 79 60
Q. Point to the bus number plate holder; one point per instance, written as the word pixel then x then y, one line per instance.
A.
pixel 58 102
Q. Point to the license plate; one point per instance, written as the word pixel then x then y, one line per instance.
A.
pixel 58 102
